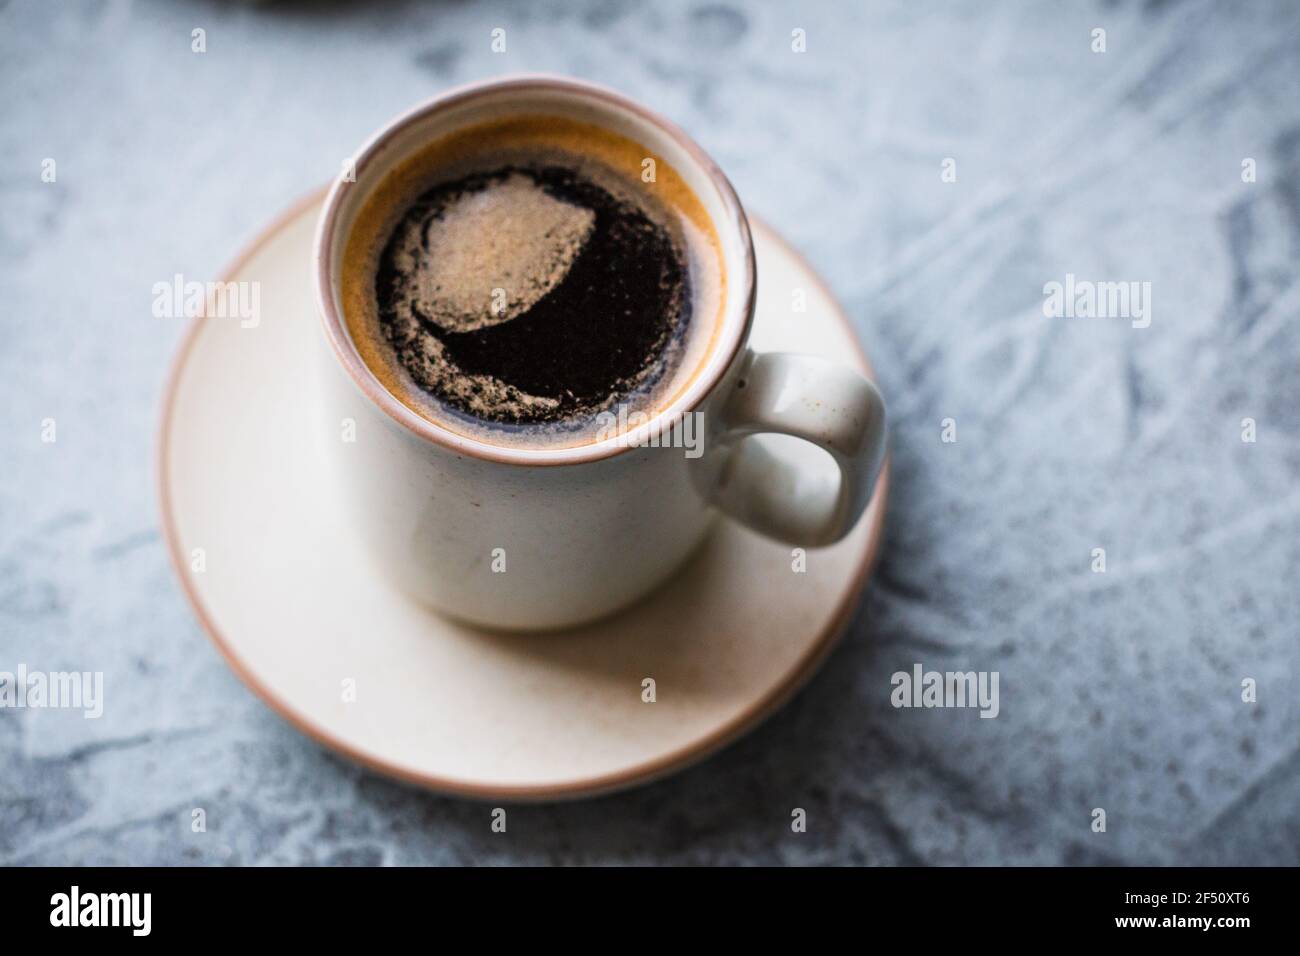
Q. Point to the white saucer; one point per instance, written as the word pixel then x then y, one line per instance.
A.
pixel 292 603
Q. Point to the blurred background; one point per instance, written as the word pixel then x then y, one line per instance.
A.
pixel 1120 690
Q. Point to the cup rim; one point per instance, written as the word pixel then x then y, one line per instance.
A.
pixel 735 323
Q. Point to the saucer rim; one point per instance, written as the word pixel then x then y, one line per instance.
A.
pixel 641 774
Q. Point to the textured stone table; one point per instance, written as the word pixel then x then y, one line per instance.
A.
pixel 1119 690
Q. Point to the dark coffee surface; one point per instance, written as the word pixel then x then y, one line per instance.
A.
pixel 531 294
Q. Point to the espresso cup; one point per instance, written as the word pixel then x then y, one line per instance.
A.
pixel 545 537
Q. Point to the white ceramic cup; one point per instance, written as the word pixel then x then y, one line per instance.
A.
pixel 521 538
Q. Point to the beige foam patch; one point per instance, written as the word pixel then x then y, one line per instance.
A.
pixel 492 255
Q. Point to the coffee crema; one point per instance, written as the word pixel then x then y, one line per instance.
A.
pixel 517 280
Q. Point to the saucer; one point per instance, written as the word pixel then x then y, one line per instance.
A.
pixel 269 562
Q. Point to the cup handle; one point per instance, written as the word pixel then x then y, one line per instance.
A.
pixel 822 402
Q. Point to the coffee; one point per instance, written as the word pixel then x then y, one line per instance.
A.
pixel 519 279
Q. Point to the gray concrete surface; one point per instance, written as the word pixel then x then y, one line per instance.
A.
pixel 1119 690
